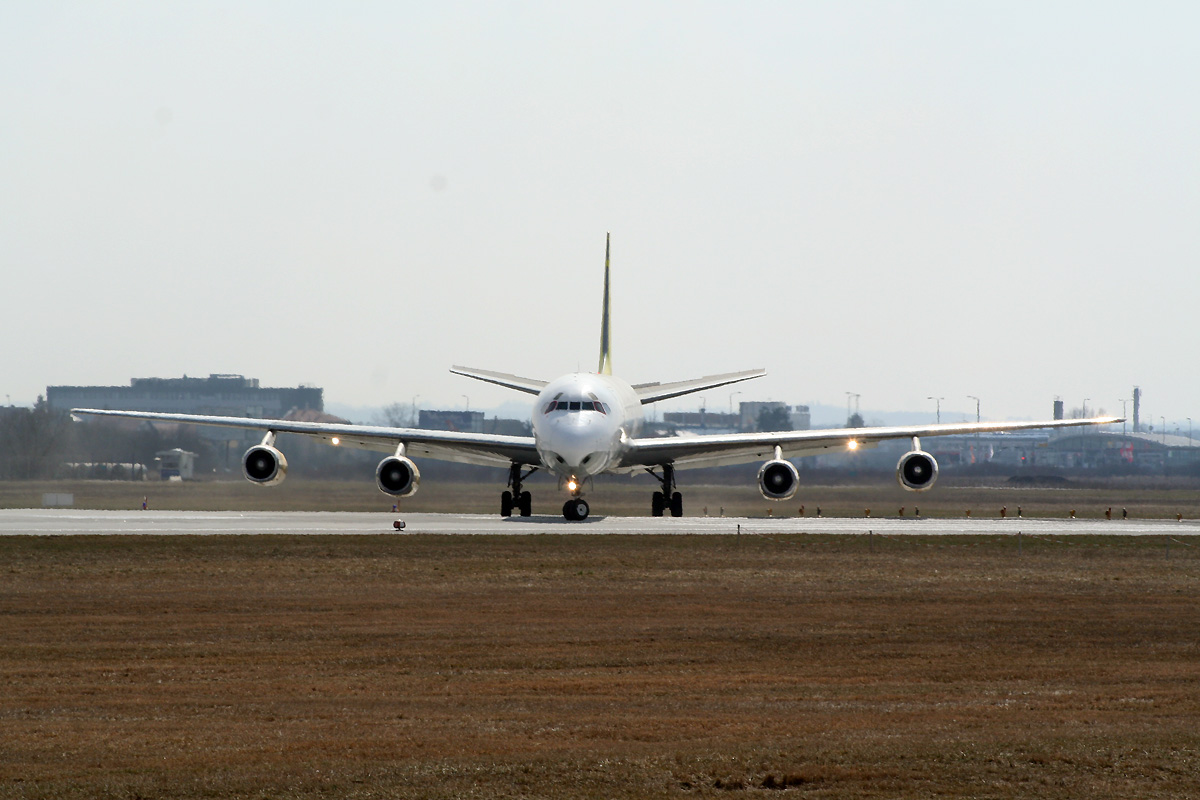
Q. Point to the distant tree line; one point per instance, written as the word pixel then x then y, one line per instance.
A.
pixel 32 440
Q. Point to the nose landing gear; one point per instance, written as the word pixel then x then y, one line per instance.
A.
pixel 576 509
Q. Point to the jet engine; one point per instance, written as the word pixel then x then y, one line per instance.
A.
pixel 778 480
pixel 916 470
pixel 265 465
pixel 398 476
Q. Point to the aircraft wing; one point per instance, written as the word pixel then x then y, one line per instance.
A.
pixel 689 452
pixel 652 392
pixel 467 448
pixel 527 385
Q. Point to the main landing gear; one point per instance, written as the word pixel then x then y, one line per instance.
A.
pixel 666 499
pixel 517 500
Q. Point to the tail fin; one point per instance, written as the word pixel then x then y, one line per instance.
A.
pixel 605 342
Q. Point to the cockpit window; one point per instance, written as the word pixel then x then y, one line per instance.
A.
pixel 577 405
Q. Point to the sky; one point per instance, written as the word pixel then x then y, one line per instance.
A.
pixel 900 200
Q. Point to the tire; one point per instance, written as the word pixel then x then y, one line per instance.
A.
pixel 581 509
pixel 506 504
pixel 677 505
pixel 526 504
pixel 657 501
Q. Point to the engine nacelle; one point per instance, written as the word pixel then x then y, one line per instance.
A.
pixel 398 476
pixel 778 480
pixel 916 470
pixel 265 465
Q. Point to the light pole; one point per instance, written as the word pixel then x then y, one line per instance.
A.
pixel 468 402
pixel 414 410
pixel 976 399
pixel 1189 419
pixel 1124 414
pixel 1163 420
pixel 731 396
pixel 1083 432
pixel 855 395
pixel 939 407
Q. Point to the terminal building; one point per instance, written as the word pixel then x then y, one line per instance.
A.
pixel 746 418
pixel 216 395
pixel 471 422
pixel 220 395
pixel 464 421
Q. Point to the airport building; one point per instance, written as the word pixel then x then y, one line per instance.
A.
pixel 748 413
pixel 216 395
pixel 175 464
pixel 703 421
pixel 220 395
pixel 471 422
pixel 465 421
pixel 1091 449
pixel 746 418
pixel 1116 451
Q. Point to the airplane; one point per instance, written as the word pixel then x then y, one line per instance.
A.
pixel 586 424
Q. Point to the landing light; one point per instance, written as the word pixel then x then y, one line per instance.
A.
pixel 336 440
pixel 852 445
pixel 572 485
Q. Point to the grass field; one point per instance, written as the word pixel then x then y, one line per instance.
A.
pixel 623 496
pixel 596 667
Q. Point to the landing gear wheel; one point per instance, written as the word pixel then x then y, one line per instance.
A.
pixel 516 500
pixel 576 509
pixel 666 499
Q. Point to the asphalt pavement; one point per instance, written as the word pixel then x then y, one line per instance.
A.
pixel 58 521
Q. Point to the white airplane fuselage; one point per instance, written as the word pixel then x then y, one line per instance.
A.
pixel 581 424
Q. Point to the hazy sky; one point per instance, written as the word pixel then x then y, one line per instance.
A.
pixel 895 199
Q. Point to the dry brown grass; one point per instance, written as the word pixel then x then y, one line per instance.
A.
pixel 581 667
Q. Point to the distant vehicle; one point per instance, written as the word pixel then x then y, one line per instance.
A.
pixel 585 424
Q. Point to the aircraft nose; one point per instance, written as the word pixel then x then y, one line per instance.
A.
pixel 581 445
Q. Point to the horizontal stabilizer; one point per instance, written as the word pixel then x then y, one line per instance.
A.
pixel 527 385
pixel 653 392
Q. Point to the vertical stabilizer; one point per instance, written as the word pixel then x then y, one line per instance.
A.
pixel 605 341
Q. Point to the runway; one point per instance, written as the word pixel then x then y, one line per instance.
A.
pixel 60 522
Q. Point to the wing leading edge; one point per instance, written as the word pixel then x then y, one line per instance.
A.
pixel 527 385
pixel 689 452
pixel 653 392
pixel 468 448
